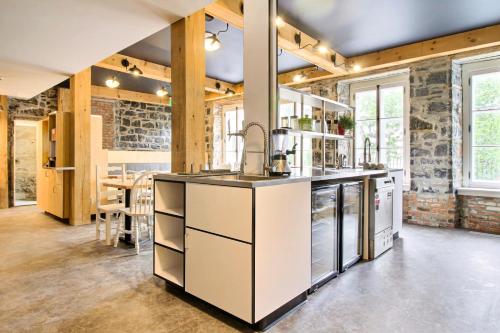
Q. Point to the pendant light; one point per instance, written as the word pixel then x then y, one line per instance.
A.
pixel 300 77
pixel 229 92
pixel 162 92
pixel 112 82
pixel 135 70
pixel 212 41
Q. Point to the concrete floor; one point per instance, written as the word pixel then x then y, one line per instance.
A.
pixel 57 278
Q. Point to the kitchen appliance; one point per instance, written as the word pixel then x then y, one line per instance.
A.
pixel 350 228
pixel 381 216
pixel 279 166
pixel 324 234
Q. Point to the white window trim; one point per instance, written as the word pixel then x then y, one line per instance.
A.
pixel 226 108
pixel 386 82
pixel 468 70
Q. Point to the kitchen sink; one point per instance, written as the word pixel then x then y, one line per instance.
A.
pixel 247 178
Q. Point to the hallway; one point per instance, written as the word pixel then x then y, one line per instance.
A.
pixel 57 278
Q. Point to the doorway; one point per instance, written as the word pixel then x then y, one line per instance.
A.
pixel 25 169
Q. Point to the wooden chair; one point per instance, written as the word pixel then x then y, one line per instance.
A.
pixel 109 209
pixel 140 210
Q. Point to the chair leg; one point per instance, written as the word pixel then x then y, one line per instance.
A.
pixel 118 229
pixel 108 229
pixel 137 234
pixel 148 221
pixel 98 226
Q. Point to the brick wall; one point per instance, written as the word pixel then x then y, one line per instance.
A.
pixel 479 213
pixel 105 108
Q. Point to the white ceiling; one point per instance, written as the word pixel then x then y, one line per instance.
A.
pixel 42 43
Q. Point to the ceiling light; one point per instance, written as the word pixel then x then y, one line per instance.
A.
pixel 300 77
pixel 279 22
pixel 112 82
pixel 321 48
pixel 229 92
pixel 135 70
pixel 162 92
pixel 212 43
pixel 356 68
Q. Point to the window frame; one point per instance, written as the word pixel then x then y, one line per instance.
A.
pixel 400 79
pixel 469 70
pixel 230 108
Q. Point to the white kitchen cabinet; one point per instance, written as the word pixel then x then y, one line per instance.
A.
pixel 219 271
pixel 397 224
pixel 222 210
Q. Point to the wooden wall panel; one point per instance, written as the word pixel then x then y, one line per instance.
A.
pixel 4 173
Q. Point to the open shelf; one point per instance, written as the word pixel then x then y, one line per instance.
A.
pixel 169 231
pixel 169 198
pixel 169 265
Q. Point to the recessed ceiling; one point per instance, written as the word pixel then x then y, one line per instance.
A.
pixel 363 26
pixel 224 64
pixel 42 43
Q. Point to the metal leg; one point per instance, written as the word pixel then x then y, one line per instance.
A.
pixel 128 219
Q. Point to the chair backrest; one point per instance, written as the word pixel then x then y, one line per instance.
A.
pixel 142 194
pixel 104 193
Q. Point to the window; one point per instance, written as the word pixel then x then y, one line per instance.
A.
pixel 481 83
pixel 381 114
pixel 233 145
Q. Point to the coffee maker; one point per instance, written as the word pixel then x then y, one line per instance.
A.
pixel 279 166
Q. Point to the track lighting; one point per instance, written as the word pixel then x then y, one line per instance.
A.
pixel 112 82
pixel 162 92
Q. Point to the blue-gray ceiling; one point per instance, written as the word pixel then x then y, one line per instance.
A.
pixel 355 27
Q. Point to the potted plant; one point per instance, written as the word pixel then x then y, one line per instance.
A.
pixel 345 123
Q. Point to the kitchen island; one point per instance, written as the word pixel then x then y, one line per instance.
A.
pixel 239 242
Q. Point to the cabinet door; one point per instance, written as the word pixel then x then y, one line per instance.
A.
pixel 42 189
pixel 221 210
pixel 219 270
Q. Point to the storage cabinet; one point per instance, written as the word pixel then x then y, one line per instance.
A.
pixel 219 271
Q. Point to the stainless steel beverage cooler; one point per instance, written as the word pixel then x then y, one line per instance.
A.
pixel 351 225
pixel 324 234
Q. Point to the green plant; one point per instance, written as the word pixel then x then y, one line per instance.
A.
pixel 346 122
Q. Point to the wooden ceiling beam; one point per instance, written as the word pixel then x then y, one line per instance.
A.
pixel 157 72
pixel 230 11
pixel 127 95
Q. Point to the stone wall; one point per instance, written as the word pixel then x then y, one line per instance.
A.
pixel 479 213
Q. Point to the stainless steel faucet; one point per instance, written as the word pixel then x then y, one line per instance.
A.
pixel 367 139
pixel 243 133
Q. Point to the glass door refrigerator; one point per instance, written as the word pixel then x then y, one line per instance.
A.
pixel 324 234
pixel 350 233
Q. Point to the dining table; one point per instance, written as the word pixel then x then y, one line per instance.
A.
pixel 126 185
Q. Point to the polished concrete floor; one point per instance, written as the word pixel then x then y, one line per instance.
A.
pixel 57 278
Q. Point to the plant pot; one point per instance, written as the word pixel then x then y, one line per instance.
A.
pixel 341 130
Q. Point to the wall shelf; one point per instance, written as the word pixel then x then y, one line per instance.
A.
pixel 169 265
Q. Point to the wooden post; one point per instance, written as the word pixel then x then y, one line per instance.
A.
pixel 4 167
pixel 80 87
pixel 188 92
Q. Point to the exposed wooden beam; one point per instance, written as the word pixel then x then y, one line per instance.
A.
pixel 157 72
pixel 4 167
pixel 230 11
pixel 188 104
pixel 80 88
pixel 127 95
pixel 437 47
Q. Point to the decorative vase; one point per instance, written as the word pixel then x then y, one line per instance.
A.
pixel 341 130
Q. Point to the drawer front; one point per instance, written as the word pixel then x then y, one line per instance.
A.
pixel 219 271
pixel 222 210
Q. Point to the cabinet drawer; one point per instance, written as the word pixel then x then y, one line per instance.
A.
pixel 222 210
pixel 219 271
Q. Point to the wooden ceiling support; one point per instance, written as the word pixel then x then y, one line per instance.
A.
pixel 157 72
pixel 127 95
pixel 188 95
pixel 4 167
pixel 80 88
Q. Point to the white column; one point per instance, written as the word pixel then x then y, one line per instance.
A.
pixel 260 75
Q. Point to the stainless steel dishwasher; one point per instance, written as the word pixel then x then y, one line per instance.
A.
pixel 351 231
pixel 381 216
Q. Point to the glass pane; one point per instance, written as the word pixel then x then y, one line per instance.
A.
pixel 391 133
pixel 366 104
pixel 391 102
pixel 486 163
pixel 392 158
pixel 366 129
pixel 358 155
pixel 241 117
pixel 486 128
pixel 486 91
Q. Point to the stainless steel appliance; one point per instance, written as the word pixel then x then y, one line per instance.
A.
pixel 279 166
pixel 324 234
pixel 350 225
pixel 381 216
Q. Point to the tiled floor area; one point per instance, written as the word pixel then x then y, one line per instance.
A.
pixel 57 278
